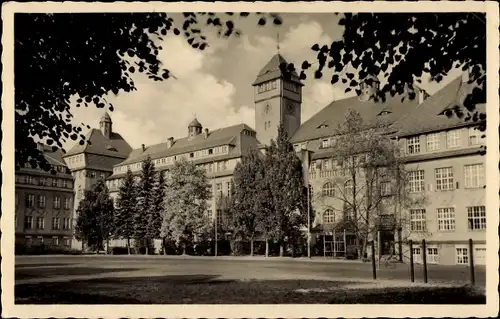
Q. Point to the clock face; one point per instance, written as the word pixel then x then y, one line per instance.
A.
pixel 267 108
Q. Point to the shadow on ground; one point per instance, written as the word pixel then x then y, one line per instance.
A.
pixel 211 289
pixel 19 266
pixel 48 272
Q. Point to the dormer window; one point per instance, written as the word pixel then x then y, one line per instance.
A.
pixel 325 143
pixel 384 113
pixel 322 126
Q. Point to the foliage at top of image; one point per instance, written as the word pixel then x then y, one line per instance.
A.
pixel 403 47
pixel 91 55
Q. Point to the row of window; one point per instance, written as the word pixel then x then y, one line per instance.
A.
pixel 57 168
pixel 268 86
pixel 76 159
pixel 330 217
pixel 330 189
pixel 218 190
pixel 461 255
pixel 219 166
pixel 271 85
pixel 53 241
pixel 433 141
pixel 29 223
pixel 444 177
pixel 476 219
pixel 42 181
pixel 171 159
pixel 41 202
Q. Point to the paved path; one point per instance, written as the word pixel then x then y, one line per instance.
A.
pixel 34 269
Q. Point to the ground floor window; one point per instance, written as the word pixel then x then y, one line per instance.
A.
pixel 417 255
pixel 432 255
pixel 55 241
pixel 28 240
pixel 480 255
pixel 66 241
pixel 462 255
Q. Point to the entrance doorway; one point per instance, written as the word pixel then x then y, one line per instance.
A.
pixel 387 242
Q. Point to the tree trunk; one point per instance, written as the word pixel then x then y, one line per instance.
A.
pixel 293 250
pixel 267 247
pixel 281 248
pixel 251 247
pixel 164 246
pixel 147 248
pixel 184 249
pixel 128 245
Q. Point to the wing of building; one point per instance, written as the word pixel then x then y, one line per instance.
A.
pixel 44 205
pixel 94 160
pixel 217 151
pixel 443 154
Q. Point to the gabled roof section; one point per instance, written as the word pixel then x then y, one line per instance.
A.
pixel 429 116
pixel 272 71
pixel 115 146
pixel 326 122
pixel 230 135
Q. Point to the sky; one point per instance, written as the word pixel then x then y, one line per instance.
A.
pixel 215 84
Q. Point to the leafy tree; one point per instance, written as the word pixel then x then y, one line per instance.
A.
pixel 94 223
pixel 283 171
pixel 145 212
pixel 185 207
pixel 247 202
pixel 88 56
pixel 126 209
pixel 224 214
pixel 158 203
pixel 403 48
pixel 370 179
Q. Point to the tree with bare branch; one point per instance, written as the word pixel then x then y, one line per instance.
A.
pixel 368 185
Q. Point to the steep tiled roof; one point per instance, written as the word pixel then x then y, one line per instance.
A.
pixel 224 136
pixel 194 123
pixel 116 146
pixel 272 71
pixel 325 122
pixel 54 158
pixel 428 116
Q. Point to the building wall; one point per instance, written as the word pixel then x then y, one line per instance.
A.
pixel 456 154
pixel 49 234
pixel 271 108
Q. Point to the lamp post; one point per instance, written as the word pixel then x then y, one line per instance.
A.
pixel 215 205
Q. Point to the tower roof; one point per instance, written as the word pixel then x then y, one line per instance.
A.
pixel 194 123
pixel 272 71
pixel 106 117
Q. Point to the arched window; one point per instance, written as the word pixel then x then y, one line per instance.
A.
pixel 328 217
pixel 328 190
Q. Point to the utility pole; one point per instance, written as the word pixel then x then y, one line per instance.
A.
pixel 308 221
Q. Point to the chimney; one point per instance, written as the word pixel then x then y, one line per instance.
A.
pixel 206 133
pixel 170 142
pixel 39 146
pixel 143 147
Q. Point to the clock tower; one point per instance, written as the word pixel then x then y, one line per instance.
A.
pixel 277 100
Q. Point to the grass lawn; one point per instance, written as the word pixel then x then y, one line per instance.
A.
pixel 208 289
